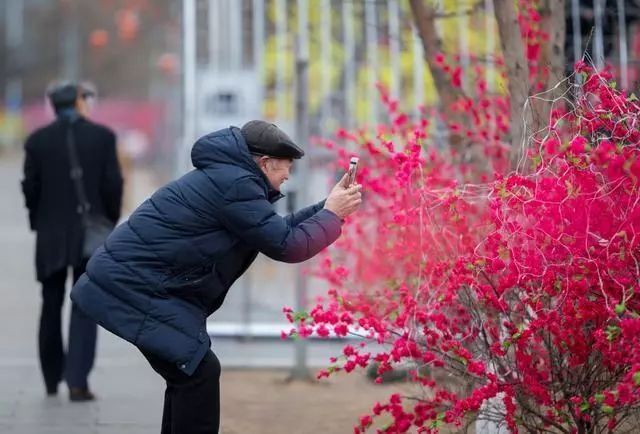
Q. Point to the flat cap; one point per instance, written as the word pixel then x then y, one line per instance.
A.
pixel 264 138
pixel 66 92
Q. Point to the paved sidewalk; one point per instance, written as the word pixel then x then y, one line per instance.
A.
pixel 130 393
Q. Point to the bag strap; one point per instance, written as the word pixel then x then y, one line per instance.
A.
pixel 76 174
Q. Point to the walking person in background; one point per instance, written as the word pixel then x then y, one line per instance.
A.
pixel 70 169
pixel 163 272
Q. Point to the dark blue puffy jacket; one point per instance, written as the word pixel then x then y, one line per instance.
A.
pixel 162 272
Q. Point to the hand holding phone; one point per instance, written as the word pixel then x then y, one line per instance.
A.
pixel 345 198
pixel 353 167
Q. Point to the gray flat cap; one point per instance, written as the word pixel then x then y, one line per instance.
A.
pixel 264 138
pixel 66 92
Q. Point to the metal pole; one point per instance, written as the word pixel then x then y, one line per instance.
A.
pixel 577 31
pixel 349 63
pixel 371 34
pixel 490 30
pixel 325 55
pixel 598 46
pixel 281 42
pixel 189 122
pixel 71 42
pixel 236 32
pixel 14 24
pixel 258 59
pixel 258 49
pixel 394 48
pixel 622 29
pixel 418 72
pixel 463 43
pixel 214 34
pixel 300 370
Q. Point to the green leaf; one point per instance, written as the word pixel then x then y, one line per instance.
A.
pixel 438 421
pixel 612 332
pixel 299 316
pixel 557 285
pixel 636 378
pixel 536 160
pixel 620 308
pixel 584 406
pixel 599 397
pixel 607 409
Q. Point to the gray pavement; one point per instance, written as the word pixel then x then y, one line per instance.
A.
pixel 129 392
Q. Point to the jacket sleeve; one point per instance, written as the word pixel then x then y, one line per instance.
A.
pixel 32 181
pixel 111 183
pixel 294 219
pixel 251 217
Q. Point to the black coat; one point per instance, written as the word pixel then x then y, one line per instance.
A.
pixel 162 272
pixel 50 195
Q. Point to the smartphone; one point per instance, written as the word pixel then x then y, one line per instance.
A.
pixel 353 167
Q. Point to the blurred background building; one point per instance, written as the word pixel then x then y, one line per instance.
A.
pixel 244 57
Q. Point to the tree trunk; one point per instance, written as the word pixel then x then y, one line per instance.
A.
pixel 551 58
pixel 424 19
pixel 556 28
pixel 517 74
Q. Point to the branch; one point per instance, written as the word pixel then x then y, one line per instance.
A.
pixel 424 19
pixel 542 417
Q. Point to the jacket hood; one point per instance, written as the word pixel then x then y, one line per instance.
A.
pixel 228 146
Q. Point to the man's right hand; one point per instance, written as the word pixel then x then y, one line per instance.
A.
pixel 342 200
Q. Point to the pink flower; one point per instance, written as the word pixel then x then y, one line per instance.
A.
pixel 365 421
pixel 577 145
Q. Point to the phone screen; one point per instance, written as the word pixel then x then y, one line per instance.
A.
pixel 353 167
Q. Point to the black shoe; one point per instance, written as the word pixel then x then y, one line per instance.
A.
pixel 52 391
pixel 77 394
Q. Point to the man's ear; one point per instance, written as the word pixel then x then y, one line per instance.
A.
pixel 263 161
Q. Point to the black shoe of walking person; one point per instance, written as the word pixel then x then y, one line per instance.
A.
pixel 78 394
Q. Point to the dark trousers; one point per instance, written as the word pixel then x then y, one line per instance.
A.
pixel 191 403
pixel 82 336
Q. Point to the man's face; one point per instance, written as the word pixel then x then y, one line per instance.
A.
pixel 82 107
pixel 277 170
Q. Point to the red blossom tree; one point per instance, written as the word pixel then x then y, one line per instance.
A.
pixel 521 289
